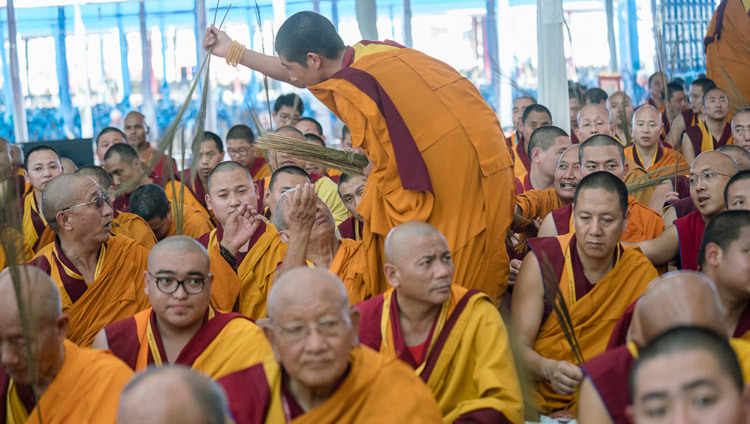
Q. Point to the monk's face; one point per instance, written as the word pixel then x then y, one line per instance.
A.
pixel 106 141
pixel 184 308
pixel 696 98
pixel 161 226
pixel 282 184
pixel 594 119
pixel 716 104
pixel 678 101
pixel 566 175
pixel 286 116
pixel 599 222
pixel 686 387
pixel 136 130
pixel 241 151
pixel 603 158
pixel 575 107
pixel 91 222
pixel 741 130
pixel 229 190
pixel 519 106
pixel 423 270
pixel 310 73
pixel 535 120
pixel 210 156
pixel 617 103
pixel 324 226
pixel 44 165
pixel 656 86
pixel 708 177
pixel 646 128
pixel 733 271
pixel 546 162
pixel 121 171
pixel 285 159
pixel 738 195
pixel 351 194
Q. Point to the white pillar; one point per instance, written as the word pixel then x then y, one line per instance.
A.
pixel 505 61
pixel 201 25
pixel 20 126
pixel 147 106
pixel 552 72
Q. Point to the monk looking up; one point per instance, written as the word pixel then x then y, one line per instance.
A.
pixel 137 132
pixel 126 171
pixel 597 277
pixel 620 108
pixel 306 225
pixel 545 146
pixel 646 152
pixel 283 180
pixel 741 128
pixel 42 165
pixel 241 149
pixel 150 202
pixel 519 106
pixel 351 190
pixel 106 138
pixel 533 117
pixel 72 384
pixel 712 133
pixel 319 370
pixel 97 274
pixel 458 124
pixel 454 338
pixel 692 115
pixel 181 328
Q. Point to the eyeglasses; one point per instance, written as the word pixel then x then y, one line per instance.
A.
pixel 169 285
pixel 98 202
pixel 597 125
pixel 707 176
pixel 740 131
pixel 240 151
pixel 297 331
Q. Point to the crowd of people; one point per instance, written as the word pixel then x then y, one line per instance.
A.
pixel 463 276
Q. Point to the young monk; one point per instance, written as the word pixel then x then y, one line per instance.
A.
pixel 646 152
pixel 150 202
pixel 241 149
pixel 351 190
pixel 597 278
pixel 534 116
pixel 126 172
pixel 675 104
pixel 181 328
pixel 519 106
pixel 42 165
pixel 283 180
pixel 737 192
pixel 712 133
pixel 656 83
pixel 105 139
pixel 454 338
pixel 310 317
pixel 96 273
pixel 546 144
pixel 211 154
pixel 692 115
pixel 72 384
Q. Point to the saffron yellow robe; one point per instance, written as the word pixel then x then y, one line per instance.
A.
pixel 22 251
pixel 727 45
pixel 663 158
pixel 194 223
pixel 350 264
pixel 35 229
pixel 133 226
pixel 176 191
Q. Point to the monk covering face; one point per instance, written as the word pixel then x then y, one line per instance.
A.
pixel 566 174
pixel 709 175
pixel 323 227
pixel 228 191
pixel 285 179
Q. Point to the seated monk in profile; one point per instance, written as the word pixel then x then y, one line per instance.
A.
pixel 123 223
pixel 72 384
pixel 97 274
pixel 181 328
pixel 245 250
pixel 307 227
pixel 454 338
pixel 351 189
pixel 596 277
pixel 150 202
pixel 319 373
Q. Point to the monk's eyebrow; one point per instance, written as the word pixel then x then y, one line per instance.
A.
pixel 653 396
pixel 697 384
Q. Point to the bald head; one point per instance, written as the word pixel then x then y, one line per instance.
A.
pixel 68 165
pixel 719 161
pixel 39 293
pixel 135 115
pixel 593 119
pixel 226 166
pixel 97 173
pixel 61 192
pixel 183 244
pixel 400 237
pixel 16 156
pixel 739 154
pixel 298 286
pixel 292 132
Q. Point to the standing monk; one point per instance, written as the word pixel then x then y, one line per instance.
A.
pixel 727 46
pixel 533 117
pixel 410 112
pixel 137 132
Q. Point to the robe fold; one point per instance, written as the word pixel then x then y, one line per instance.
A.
pixel 133 226
pixel 225 343
pixel 467 361
pixel 351 229
pixel 522 164
pixel 637 175
pixel 523 184
pixel 35 229
pixel 663 158
pixel 742 329
pixel 21 253
pixel 703 141
pixel 175 192
pixel 533 204
pixel 350 265
pixel 86 390
pixel 408 142
pixel 690 229
pixel 727 45
pixel 194 224
pixel 594 308
pixel 376 389
pixel 117 291
pixel 260 169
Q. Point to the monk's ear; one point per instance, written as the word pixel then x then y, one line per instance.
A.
pixel 625 169
pixel 26 176
pixel 535 153
pixel 145 282
pixel 284 236
pixel 391 273
pixel 266 198
pixel 713 255
pixel 625 220
pixel 61 326
pixel 207 198
pixel 629 414
pixel 613 130
pixel 355 316
pixel 63 220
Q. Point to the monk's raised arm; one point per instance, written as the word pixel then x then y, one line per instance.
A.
pixel 591 409
pixel 100 342
pixel 547 229
pixel 662 249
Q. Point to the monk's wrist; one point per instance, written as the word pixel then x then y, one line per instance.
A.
pixel 229 247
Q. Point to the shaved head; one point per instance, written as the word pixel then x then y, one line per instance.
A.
pixel 720 161
pixel 290 131
pixel 739 154
pixel 298 285
pixel 37 289
pixel 97 173
pixel 184 244
pixel 61 192
pixel 68 165
pixel 397 242
pixel 226 167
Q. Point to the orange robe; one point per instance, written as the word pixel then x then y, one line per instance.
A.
pixel 410 112
pixel 350 264
pixel 133 226
pixel 260 169
pixel 376 389
pixel 522 163
pixel 22 251
pixel 727 44
pixel 466 360
pixel 637 175
pixel 117 291
pixel 176 191
pixel 225 343
pixel 35 229
pixel 86 389
pixel 594 309
pixel 245 289
pixel 663 158
pixel 194 224
pixel 533 204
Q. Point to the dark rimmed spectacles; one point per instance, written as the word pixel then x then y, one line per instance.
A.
pixel 169 285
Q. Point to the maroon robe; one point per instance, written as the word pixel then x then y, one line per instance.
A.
pixel 690 229
pixel 609 373
pixel 351 228
pixel 696 137
pixel 525 185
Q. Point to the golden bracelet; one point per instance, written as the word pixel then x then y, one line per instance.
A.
pixel 235 53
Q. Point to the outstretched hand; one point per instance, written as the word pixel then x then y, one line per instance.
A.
pixel 240 226
pixel 303 209
pixel 217 41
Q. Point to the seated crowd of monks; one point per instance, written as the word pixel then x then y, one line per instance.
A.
pixel 240 289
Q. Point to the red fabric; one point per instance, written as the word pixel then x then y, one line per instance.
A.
pixel 482 416
pixel 609 372
pixel 25 393
pixel 347 229
pixel 690 231
pixel 684 205
pixel 248 394
pixel 525 185
pixel 259 162
pixel 573 137
pixel 743 325
pixel 561 218
pixel 417 352
pixel 696 137
pixel 620 332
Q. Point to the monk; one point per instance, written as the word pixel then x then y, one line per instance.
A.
pixel 712 133
pixel 105 139
pixel 241 149
pixel 96 273
pixel 647 153
pixel 306 226
pixel 137 131
pixel 595 95
pixel 18 159
pixel 620 108
pixel 545 146
pixel 741 128
pixel 656 83
pixel 675 104
pixel 709 175
pixel 593 119
pixel 680 369
pixel 737 192
pixel 11 189
pixel 181 328
pixel 313 168
pixel 310 126
pixel 454 338
pixel 126 171
pixel 193 398
pixel 309 317
pixel 351 189
pixel 211 154
pixel 244 249
pixel 739 154
pixel 519 106
pixel 726 46
pixel 689 116
pixel 150 202
pixel 384 92
pixel 72 384
pixel 68 165
pixel 604 153
pixel 597 278
pixel 287 109
pixel 124 223
pixel 575 103
pixel 42 165
pixel 533 117
pixel 282 180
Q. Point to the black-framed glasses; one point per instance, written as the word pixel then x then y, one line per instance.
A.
pixel 99 202
pixel 169 285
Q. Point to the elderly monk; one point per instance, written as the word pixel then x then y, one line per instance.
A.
pixel 647 153
pixel 351 190
pixel 283 179
pixel 739 154
pixel 545 146
pixel 410 112
pixel 181 328
pixel 741 128
pixel 306 225
pixel 603 153
pixel 105 139
pixel 126 172
pixel 72 384
pixel 597 278
pixel 319 373
pixel 123 223
pixel 534 116
pixel 519 106
pixel 712 133
pixel 620 107
pixel 137 131
pixel 454 338
pixel 42 165
pixel 241 148
pixel 150 202
pixel 244 249
pixel 692 115
pixel 675 299
pixel 709 175
pixel 97 274
pixel 193 398
pixel 691 375
pixel 211 154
